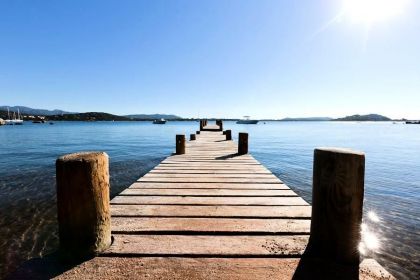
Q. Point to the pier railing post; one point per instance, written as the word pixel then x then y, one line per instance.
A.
pixel 192 137
pixel 243 143
pixel 180 144
pixel 228 134
pixel 337 204
pixel 84 219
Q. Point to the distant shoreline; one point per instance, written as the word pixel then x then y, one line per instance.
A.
pixel 29 114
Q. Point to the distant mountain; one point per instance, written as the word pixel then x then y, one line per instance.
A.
pixel 152 117
pixel 34 112
pixel 89 116
pixel 363 118
pixel 316 119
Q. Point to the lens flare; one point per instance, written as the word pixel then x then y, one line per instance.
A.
pixel 371 11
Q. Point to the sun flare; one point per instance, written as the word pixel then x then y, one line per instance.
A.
pixel 372 11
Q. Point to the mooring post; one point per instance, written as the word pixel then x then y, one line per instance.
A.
pixel 220 125
pixel 201 124
pixel 180 144
pixel 228 134
pixel 84 219
pixel 192 137
pixel 243 143
pixel 197 132
pixel 337 204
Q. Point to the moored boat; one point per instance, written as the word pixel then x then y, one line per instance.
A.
pixel 161 121
pixel 247 120
pixel 14 121
pixel 412 122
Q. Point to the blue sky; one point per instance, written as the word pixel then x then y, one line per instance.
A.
pixel 267 59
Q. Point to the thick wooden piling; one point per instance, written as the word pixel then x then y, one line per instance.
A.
pixel 228 134
pixel 219 123
pixel 243 143
pixel 83 203
pixel 192 137
pixel 201 125
pixel 180 144
pixel 197 132
pixel 337 197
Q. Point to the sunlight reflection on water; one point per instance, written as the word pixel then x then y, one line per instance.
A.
pixel 391 209
pixel 370 242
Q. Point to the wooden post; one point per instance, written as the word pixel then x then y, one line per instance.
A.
pixel 224 132
pixel 228 134
pixel 83 204
pixel 337 204
pixel 180 144
pixel 220 125
pixel 192 137
pixel 201 124
pixel 197 132
pixel 243 143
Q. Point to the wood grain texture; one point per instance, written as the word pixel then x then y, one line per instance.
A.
pixel 297 212
pixel 338 187
pixel 210 225
pixel 182 268
pixel 207 192
pixel 83 203
pixel 218 185
pixel 215 200
pixel 208 245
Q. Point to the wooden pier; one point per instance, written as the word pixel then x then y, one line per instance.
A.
pixel 211 213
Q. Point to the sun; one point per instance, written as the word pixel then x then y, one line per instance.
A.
pixel 373 11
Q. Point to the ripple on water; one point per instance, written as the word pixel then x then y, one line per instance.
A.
pixel 27 176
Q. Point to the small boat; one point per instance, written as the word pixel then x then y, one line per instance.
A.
pixel 2 122
pixel 412 122
pixel 51 123
pixel 161 121
pixel 247 120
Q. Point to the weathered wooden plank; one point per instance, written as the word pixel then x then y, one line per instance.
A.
pixel 191 200
pixel 202 245
pixel 213 175
pixel 207 192
pixel 182 268
pixel 210 180
pixel 212 211
pixel 175 185
pixel 211 162
pixel 210 168
pixel 209 225
pixel 207 171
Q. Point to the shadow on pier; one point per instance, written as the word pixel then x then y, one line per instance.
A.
pixel 47 267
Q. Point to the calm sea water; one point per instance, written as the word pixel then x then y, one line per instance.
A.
pixel 28 225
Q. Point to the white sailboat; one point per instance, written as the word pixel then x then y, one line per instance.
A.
pixel 14 121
